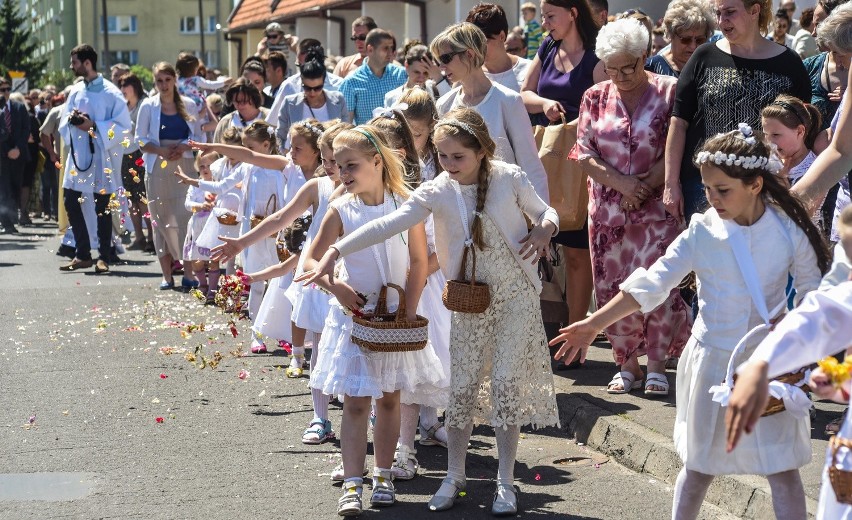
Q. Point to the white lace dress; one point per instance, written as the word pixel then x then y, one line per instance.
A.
pixel 500 361
pixel 354 371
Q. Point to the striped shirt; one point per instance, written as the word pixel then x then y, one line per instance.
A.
pixel 533 34
pixel 364 91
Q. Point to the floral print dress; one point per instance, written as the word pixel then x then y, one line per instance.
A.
pixel 622 241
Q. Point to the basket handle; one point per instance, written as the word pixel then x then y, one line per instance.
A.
pixel 835 444
pixel 729 377
pixel 274 200
pixel 382 304
pixel 464 264
pixel 400 311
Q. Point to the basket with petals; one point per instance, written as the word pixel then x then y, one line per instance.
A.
pixel 383 331
pixel 467 296
pixel 841 479
pixel 227 219
pixel 255 220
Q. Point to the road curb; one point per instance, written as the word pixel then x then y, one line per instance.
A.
pixel 646 451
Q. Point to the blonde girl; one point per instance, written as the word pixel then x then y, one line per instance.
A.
pixel 372 176
pixel 792 126
pixel 500 373
pixel 310 306
pixel 421 114
pixel 260 185
pixel 227 203
pixel 200 204
pixel 753 221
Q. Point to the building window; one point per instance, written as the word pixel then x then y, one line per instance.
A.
pixel 122 24
pixel 190 25
pixel 128 57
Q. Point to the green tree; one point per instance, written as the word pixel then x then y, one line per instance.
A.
pixel 144 74
pixel 17 44
pixel 60 78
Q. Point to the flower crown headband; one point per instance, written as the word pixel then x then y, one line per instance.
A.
pixel 314 129
pixel 458 124
pixel 771 164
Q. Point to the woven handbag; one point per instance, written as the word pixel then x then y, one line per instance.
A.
pixel 281 249
pixel 467 296
pixel 841 480
pixel 256 220
pixel 382 331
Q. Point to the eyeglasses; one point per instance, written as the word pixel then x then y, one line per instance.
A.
pixel 688 40
pixel 241 101
pixel 312 89
pixel 630 69
pixel 5 89
pixel 448 57
pixel 358 38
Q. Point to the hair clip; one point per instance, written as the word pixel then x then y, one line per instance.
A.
pixel 270 130
pixel 389 111
pixel 369 137
pixel 747 133
pixel 458 124
pixel 311 127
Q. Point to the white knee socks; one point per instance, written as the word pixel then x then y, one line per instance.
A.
pixel 456 454
pixel 428 416
pixel 409 413
pixel 319 399
pixel 507 451
pixel 255 298
pixel 689 491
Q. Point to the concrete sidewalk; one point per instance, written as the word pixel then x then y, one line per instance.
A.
pixel 637 431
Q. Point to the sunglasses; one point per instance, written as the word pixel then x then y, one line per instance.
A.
pixel 448 57
pixel 274 36
pixel 5 89
pixel 312 89
pixel 688 40
pixel 358 38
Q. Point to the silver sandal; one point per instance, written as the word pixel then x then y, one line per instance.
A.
pixel 350 503
pixel 428 436
pixel 384 493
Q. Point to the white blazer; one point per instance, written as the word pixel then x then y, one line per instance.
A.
pixel 148 125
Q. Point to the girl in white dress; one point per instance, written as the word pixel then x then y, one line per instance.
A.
pixel 200 204
pixel 261 186
pixel 398 132
pixel 792 126
pixel 500 373
pixel 310 305
pixel 754 221
pixel 372 175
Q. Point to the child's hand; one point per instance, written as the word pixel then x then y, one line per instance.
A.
pixel 207 206
pixel 195 145
pixel 823 387
pixel 228 249
pixel 748 401
pixel 210 197
pixel 182 178
pixel 537 242
pixel 325 267
pixel 575 339
pixel 347 296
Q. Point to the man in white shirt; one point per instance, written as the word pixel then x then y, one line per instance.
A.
pixel 360 27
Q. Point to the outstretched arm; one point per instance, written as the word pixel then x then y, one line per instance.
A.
pixel 274 271
pixel 304 199
pixel 242 154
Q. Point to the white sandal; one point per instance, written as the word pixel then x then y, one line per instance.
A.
pixel 656 379
pixel 627 381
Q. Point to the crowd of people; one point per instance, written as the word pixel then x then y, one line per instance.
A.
pixel 716 143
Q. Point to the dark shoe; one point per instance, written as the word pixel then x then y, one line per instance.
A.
pixel 11 230
pixel 76 264
pixel 101 267
pixel 149 248
pixel 66 251
pixel 25 221
pixel 188 284
pixel 136 246
pixel 167 286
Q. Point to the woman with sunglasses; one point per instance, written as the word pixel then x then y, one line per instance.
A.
pixel 688 24
pixel 724 84
pixel 246 101
pixel 565 67
pixel 314 102
pixel 461 52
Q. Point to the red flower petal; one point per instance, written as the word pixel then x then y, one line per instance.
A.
pixel 139 162
pixel 159 419
pixel 163 376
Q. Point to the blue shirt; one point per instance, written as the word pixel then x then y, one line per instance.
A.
pixel 364 91
pixel 173 127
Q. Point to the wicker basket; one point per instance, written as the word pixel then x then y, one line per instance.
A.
pixel 777 405
pixel 255 220
pixel 841 480
pixel 467 296
pixel 389 332
pixel 281 249
pixel 228 219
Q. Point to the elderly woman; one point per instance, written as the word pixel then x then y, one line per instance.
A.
pixel 688 24
pixel 828 70
pixel 629 227
pixel 164 126
pixel 246 100
pixel 723 84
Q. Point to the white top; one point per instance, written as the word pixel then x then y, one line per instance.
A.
pixel 841 265
pixel 805 44
pixel 363 269
pixel 726 310
pixel 194 199
pixel 293 85
pixel 320 114
pixel 796 172
pixel 393 96
pixel 510 197
pixel 509 125
pixel 514 77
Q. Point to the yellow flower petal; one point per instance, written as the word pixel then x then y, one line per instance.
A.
pixel 164 163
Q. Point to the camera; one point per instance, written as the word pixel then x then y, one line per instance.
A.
pixel 76 118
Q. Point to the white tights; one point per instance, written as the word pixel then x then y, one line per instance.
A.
pixel 255 298
pixel 788 494
pixel 320 400
pixel 507 451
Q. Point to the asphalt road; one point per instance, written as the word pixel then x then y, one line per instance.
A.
pixel 103 416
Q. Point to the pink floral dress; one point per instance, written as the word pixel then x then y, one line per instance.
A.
pixel 620 240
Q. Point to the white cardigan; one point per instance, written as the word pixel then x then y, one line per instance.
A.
pixel 148 126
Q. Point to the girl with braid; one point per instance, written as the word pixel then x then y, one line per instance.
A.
pixel 499 372
pixel 743 251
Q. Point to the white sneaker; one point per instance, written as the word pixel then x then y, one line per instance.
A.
pixel 405 464
pixel 337 473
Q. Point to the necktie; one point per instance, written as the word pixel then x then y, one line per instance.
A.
pixel 7 115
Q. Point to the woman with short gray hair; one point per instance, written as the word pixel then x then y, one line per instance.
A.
pixel 628 224
pixel 827 70
pixel 688 24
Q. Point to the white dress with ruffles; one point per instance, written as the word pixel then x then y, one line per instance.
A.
pixel 354 371
pixel 726 313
